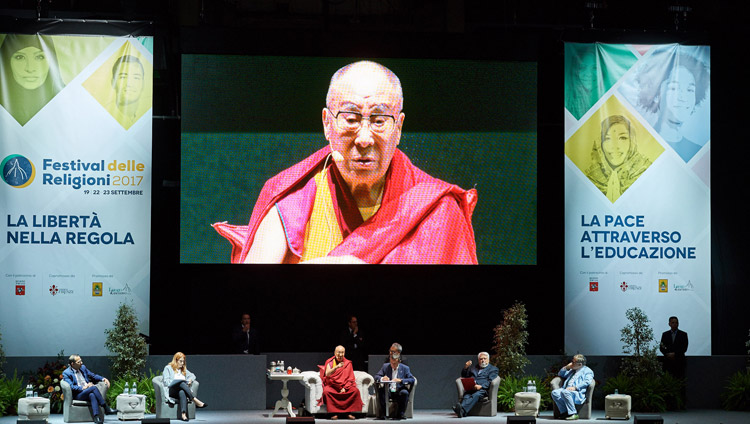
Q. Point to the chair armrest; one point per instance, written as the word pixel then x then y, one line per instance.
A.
pixel 364 379
pixel 310 379
pixel 494 387
pixel 460 388
pixel 556 383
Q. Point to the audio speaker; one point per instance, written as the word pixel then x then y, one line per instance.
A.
pixel 648 419
pixel 155 421
pixel 31 421
pixel 300 420
pixel 521 420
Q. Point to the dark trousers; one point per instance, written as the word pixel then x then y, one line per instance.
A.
pixel 401 397
pixel 471 399
pixel 93 396
pixel 182 392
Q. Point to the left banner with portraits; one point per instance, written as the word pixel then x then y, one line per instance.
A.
pixel 75 195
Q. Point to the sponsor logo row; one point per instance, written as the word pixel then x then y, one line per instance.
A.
pixel 97 289
pixel 661 286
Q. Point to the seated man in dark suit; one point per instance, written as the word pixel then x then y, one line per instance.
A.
pixel 399 376
pixel 83 384
pixel 483 373
pixel 674 344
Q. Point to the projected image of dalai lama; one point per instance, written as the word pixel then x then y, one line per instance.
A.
pixel 359 199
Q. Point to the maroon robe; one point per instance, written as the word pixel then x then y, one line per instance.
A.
pixel 335 401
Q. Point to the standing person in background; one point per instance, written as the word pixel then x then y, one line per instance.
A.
pixel 354 343
pixel 245 338
pixel 674 344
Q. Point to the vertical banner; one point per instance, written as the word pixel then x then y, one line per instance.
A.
pixel 637 192
pixel 75 195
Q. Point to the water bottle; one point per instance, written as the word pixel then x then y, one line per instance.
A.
pixel 617 392
pixel 29 391
pixel 126 391
pixel 528 386
pixel 533 386
pixel 134 389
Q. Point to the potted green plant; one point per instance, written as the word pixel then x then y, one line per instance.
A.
pixel 641 375
pixel 128 348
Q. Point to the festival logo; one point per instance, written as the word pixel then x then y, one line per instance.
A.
pixel 96 289
pixel 663 285
pixel 17 171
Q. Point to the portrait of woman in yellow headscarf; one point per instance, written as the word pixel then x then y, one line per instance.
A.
pixel 616 162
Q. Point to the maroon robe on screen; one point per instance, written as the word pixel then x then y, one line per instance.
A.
pixel 335 401
pixel 422 220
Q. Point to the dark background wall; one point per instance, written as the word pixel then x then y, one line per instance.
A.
pixel 441 310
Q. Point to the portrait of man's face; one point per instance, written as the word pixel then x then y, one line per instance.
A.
pixel 128 83
pixel 678 94
pixel 368 127
pixel 616 144
pixel 30 67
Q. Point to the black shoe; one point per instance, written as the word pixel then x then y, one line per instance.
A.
pixel 457 410
pixel 205 405
pixel 98 419
pixel 110 411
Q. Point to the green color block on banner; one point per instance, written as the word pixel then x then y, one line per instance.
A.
pixel 148 43
pixel 591 70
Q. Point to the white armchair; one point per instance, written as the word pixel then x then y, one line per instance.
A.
pixel 314 390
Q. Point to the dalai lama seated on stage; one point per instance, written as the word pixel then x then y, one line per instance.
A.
pixel 359 199
pixel 340 392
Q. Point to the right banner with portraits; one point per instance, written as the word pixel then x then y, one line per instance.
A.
pixel 637 192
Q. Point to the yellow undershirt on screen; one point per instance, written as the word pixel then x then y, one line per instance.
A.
pixel 323 233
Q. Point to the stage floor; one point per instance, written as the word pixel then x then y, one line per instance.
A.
pixel 441 417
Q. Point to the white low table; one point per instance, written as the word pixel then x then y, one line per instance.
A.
pixel 284 403
pixel 131 407
pixel 527 404
pixel 617 406
pixel 33 408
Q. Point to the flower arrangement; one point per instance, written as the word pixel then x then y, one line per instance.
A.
pixel 46 382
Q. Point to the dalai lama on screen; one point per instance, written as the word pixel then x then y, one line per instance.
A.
pixel 359 199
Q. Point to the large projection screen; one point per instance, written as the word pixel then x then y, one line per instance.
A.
pixel 637 192
pixel 247 118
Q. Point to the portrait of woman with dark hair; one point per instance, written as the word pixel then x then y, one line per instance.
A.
pixel 616 162
pixel 672 84
pixel 583 87
pixel 30 75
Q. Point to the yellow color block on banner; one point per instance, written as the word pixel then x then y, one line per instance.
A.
pixel 613 149
pixel 123 85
